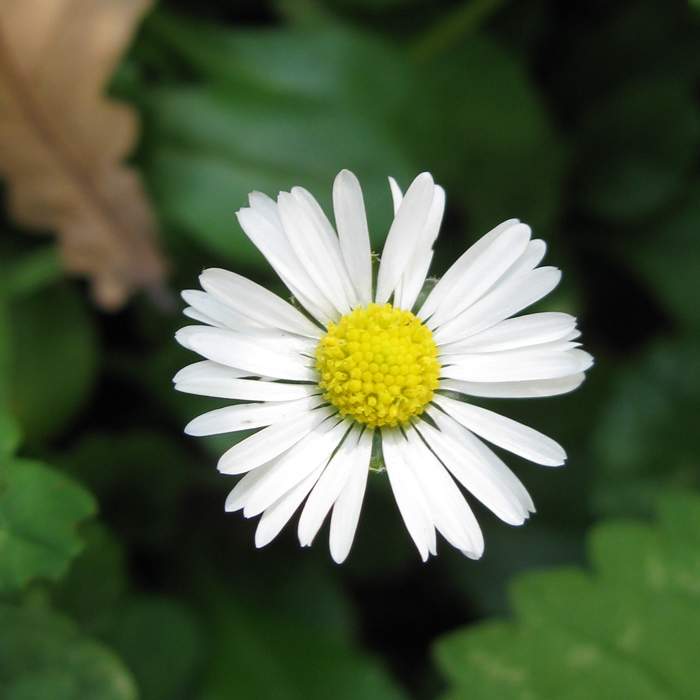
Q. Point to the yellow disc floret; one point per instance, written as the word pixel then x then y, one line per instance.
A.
pixel 378 365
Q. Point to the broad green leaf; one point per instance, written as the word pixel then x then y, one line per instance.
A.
pixel 162 642
pixel 478 123
pixel 637 149
pixel 143 468
pixel 262 654
pixel 647 437
pixel 44 656
pixel 96 583
pixel 10 434
pixel 271 110
pixel 627 630
pixel 666 258
pixel 53 360
pixel 39 511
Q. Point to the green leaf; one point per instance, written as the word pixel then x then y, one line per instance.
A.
pixel 637 149
pixel 626 631
pixel 53 360
pixel 10 434
pixel 666 259
pixel 478 123
pixel 263 654
pixel 96 582
pixel 647 438
pixel 162 643
pixel 43 655
pixel 39 511
pixel 271 110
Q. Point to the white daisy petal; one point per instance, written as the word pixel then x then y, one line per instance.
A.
pixel 411 502
pixel 501 303
pixel 482 273
pixel 523 364
pixel 414 276
pixel 270 442
pixel 452 515
pixel 255 302
pixel 515 390
pixel 518 332
pixel 255 480
pixel 529 260
pixel 203 305
pixel 396 194
pixel 504 432
pixel 273 244
pixel 438 294
pixel 318 392
pixel 329 487
pixel 351 220
pixel 295 465
pixel 278 514
pixel 309 242
pixel 346 509
pixel 208 378
pixel 404 236
pixel 478 469
pixel 197 315
pixel 248 416
pixel 248 353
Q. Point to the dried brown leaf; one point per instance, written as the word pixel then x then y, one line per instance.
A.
pixel 62 142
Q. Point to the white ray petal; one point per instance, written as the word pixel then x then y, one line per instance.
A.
pixel 329 486
pixel 414 276
pixel 479 470
pixel 518 332
pixel 529 260
pixel 515 390
pixel 346 509
pixel 271 241
pixel 500 303
pixel 251 354
pixel 314 251
pixel 351 220
pixel 271 442
pixel 197 315
pixel 238 497
pixel 504 432
pixel 396 194
pixel 248 416
pixel 278 514
pixel 255 302
pixel 208 378
pixel 412 506
pixel 293 466
pixel 436 298
pixel 404 236
pixel 526 364
pixel 218 314
pixel 328 238
pixel 452 515
pixel 482 273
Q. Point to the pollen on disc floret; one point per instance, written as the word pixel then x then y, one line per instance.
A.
pixel 378 365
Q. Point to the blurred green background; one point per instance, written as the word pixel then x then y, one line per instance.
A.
pixel 121 574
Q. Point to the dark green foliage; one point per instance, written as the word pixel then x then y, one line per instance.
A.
pixel 122 576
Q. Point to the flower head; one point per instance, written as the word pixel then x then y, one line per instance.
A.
pixel 367 361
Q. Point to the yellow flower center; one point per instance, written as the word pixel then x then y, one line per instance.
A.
pixel 378 365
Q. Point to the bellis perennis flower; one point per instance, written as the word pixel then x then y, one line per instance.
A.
pixel 366 365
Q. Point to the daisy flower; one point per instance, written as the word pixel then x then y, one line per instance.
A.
pixel 364 368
